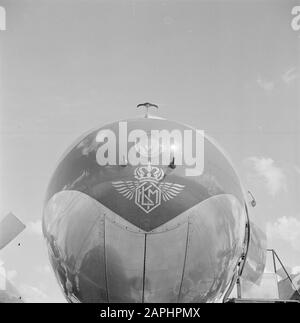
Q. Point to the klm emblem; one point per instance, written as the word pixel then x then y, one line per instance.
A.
pixel 148 190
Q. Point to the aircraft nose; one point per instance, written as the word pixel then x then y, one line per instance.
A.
pixel 99 257
pixel 192 258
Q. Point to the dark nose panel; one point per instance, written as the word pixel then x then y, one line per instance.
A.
pixel 149 203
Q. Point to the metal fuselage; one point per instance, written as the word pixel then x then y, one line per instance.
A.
pixel 124 233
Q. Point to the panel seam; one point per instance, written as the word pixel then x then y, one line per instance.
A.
pixel 144 269
pixel 105 260
pixel 184 262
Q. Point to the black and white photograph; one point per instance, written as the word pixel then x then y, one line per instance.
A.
pixel 149 153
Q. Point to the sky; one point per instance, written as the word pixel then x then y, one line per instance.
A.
pixel 230 68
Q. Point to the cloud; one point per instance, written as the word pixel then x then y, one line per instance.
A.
pixel 286 229
pixel 273 176
pixel 296 270
pixel 290 75
pixel 35 227
pixel 268 86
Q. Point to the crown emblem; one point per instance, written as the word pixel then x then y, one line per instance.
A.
pixel 148 190
pixel 148 173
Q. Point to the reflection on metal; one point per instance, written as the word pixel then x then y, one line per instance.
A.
pixel 124 263
pixel 97 257
pixel 256 256
pixel 79 171
pixel 214 247
pixel 164 264
pixel 176 244
pixel 74 229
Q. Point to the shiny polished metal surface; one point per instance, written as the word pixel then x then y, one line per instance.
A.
pixel 107 245
pixel 165 259
pixel 124 252
pixel 108 261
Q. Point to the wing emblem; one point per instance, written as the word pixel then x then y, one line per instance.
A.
pixel 126 188
pixel 147 190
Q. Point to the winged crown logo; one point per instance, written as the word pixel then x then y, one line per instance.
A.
pixel 148 189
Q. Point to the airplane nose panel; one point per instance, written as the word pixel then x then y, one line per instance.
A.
pixel 214 245
pixel 124 253
pixel 164 263
pixel 99 257
pixel 74 230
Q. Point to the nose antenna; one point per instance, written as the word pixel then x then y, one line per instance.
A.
pixel 147 105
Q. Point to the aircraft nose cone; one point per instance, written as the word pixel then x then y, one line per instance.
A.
pixel 99 258
pixel 146 232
